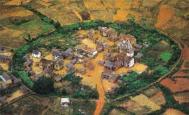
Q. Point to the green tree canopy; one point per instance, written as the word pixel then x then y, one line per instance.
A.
pixel 165 56
pixel 44 85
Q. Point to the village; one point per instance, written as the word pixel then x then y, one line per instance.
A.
pixel 102 53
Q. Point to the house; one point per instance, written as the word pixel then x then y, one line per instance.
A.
pixel 109 32
pixel 131 62
pixel 91 33
pixel 74 60
pixel 58 64
pixel 103 31
pixel 56 54
pixel 57 78
pixel 6 79
pixel 130 53
pixel 47 66
pixel 5 59
pixel 65 102
pixel 85 51
pixel 67 53
pixel 16 80
pixel 129 37
pixel 36 53
pixel 70 66
pixel 27 64
pixel 109 65
pixel 109 75
pixel 124 45
pixel 116 60
pixel 100 46
pixel 93 53
pixel 113 35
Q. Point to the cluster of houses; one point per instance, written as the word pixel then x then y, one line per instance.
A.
pixel 84 51
pixel 48 66
pixel 8 81
pixel 8 85
pixel 122 55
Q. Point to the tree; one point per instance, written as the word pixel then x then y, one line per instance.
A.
pixel 75 80
pixel 25 78
pixel 131 77
pixel 44 85
pixel 85 15
pixel 165 56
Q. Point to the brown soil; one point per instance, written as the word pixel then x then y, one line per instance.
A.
pixel 185 53
pixel 178 85
pixel 171 111
pixel 164 16
pixel 182 97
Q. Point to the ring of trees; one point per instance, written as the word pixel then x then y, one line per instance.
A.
pixel 159 61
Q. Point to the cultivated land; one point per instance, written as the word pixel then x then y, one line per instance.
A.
pixel 41 24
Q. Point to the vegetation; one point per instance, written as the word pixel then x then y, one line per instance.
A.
pixel 25 78
pixel 131 77
pixel 44 85
pixel 77 89
pixel 165 56
pixel 36 25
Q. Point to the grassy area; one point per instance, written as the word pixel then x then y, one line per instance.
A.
pixel 166 56
pixel 58 40
pixel 35 27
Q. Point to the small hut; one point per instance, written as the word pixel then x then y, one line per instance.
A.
pixel 36 53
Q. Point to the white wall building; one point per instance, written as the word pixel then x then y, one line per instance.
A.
pixel 131 62
pixel 65 102
pixel 36 54
pixel 130 53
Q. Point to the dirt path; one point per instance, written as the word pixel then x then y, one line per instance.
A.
pixel 92 77
pixel 98 81
pixel 100 102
